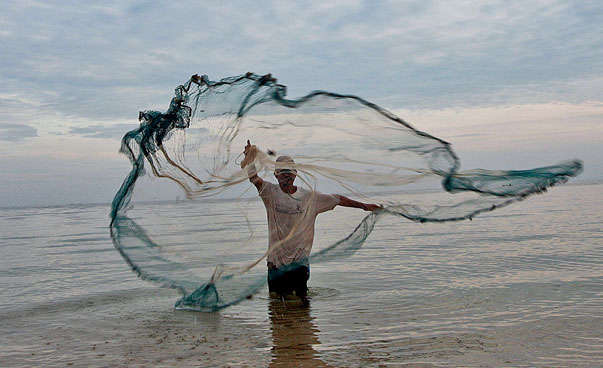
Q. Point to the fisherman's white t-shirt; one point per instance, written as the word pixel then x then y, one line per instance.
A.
pixel 291 220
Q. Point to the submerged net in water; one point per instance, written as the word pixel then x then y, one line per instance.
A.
pixel 339 143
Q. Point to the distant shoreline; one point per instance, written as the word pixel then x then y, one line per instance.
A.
pixel 247 199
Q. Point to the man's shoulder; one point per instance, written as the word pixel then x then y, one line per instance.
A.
pixel 269 185
pixel 268 188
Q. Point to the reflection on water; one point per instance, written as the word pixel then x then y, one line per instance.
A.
pixel 293 335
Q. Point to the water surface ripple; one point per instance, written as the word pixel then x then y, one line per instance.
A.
pixel 518 287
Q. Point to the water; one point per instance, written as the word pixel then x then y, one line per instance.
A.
pixel 521 286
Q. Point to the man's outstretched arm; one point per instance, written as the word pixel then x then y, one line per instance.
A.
pixel 247 164
pixel 347 202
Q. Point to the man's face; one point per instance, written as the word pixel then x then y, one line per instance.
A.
pixel 286 178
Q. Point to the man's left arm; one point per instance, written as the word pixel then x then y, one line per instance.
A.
pixel 347 202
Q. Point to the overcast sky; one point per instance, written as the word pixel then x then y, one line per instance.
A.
pixel 511 83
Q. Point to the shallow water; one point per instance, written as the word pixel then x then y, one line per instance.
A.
pixel 520 286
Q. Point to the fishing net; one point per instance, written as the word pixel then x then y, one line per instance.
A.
pixel 336 143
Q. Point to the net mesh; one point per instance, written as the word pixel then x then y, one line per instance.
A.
pixel 338 143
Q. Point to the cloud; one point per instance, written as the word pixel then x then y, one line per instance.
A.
pixel 109 62
pixel 102 131
pixel 16 132
pixel 79 69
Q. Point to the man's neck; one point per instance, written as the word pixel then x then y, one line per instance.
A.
pixel 289 189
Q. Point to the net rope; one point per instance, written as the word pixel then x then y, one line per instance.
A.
pixel 339 143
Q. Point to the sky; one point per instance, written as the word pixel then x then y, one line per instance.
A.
pixel 511 84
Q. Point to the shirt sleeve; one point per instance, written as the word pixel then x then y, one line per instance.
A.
pixel 325 202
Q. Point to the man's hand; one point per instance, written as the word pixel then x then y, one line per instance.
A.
pixel 372 207
pixel 347 202
pixel 250 153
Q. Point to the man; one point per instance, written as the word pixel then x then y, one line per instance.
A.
pixel 291 213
